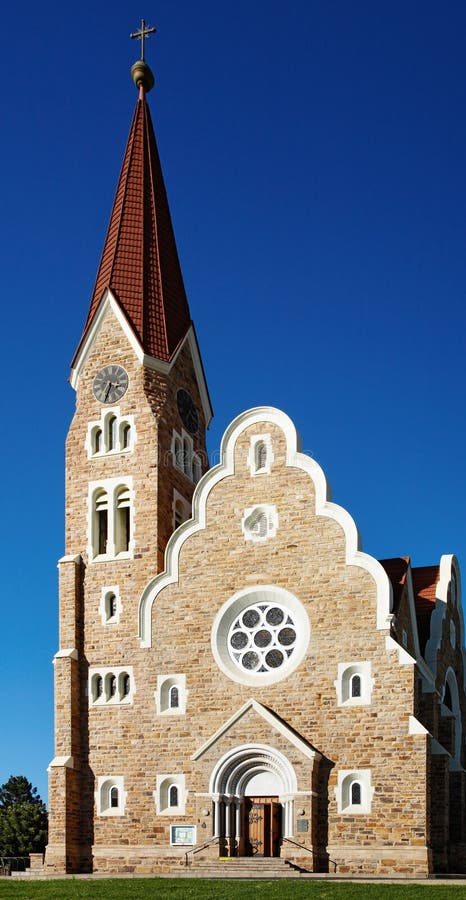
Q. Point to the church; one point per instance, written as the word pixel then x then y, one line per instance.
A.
pixel 235 679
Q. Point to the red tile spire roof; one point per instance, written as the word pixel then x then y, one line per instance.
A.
pixel 140 262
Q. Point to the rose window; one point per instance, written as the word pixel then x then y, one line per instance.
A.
pixel 262 638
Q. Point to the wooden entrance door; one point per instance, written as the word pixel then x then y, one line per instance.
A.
pixel 263 819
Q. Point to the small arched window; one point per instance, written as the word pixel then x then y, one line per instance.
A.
pixel 123 520
pixel 101 524
pixel 111 685
pixel 447 698
pixel 125 682
pixel 114 798
pixel 187 457
pixel 260 455
pixel 178 452
pixel 125 436
pixel 98 687
pixel 355 686
pixel 111 605
pixel 174 697
pixel 97 440
pixel 355 793
pixel 112 432
pixel 173 795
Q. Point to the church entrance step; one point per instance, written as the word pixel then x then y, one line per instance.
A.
pixel 244 867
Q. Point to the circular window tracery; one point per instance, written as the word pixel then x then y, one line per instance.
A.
pixel 260 635
pixel 262 638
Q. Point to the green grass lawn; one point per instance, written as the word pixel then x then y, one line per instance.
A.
pixel 218 889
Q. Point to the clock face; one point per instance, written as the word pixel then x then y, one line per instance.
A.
pixel 110 384
pixel 187 410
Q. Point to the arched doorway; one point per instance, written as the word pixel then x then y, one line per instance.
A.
pixel 253 789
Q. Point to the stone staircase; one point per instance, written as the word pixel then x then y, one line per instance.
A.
pixel 244 867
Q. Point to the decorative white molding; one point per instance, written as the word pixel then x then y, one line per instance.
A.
pixel 68 653
pixel 107 302
pixel 448 566
pixel 416 727
pixel 271 719
pixel 404 658
pixel 61 761
pixel 324 507
pixel 269 595
pixel 76 558
pixel 260 522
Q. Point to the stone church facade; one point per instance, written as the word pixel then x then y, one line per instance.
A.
pixel 235 677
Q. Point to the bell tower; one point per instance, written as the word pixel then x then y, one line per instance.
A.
pixel 134 453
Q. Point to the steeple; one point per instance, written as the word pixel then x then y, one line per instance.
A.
pixel 139 263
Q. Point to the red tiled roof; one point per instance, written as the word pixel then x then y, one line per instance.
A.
pixel 396 570
pixel 140 261
pixel 425 580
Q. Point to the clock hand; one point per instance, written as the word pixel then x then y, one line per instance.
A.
pixel 109 388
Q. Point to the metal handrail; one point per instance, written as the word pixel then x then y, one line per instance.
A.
pixel 200 847
pixel 309 849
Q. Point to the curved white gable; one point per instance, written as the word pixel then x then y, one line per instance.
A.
pixel 448 566
pixel 324 507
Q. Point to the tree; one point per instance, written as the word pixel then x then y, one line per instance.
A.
pixel 23 818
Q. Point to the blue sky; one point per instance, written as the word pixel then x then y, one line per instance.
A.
pixel 314 155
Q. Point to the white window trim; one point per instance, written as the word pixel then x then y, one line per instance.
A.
pixel 112 620
pixel 111 487
pixel 233 607
pixel 346 777
pixel 162 793
pixel 104 673
pixel 346 670
pixel 102 424
pixel 102 795
pixel 252 512
pixel 164 683
pixel 256 439
pixel 178 498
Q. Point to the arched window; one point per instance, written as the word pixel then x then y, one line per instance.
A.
pixel 178 453
pixel 187 457
pixel 447 698
pixel 101 523
pixel 260 455
pixel 111 686
pixel 97 687
pixel 355 686
pixel 174 697
pixel 173 795
pixel 112 433
pixel 355 793
pixel 125 684
pixel 110 605
pixel 114 797
pixel 125 436
pixel 122 520
pixel 97 440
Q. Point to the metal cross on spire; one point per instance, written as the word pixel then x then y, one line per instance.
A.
pixel 140 35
